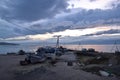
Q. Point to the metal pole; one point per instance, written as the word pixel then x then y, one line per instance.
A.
pixel 57 44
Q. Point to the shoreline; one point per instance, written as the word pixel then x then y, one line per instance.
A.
pixel 32 48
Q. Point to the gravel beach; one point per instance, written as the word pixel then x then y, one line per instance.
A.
pixel 10 69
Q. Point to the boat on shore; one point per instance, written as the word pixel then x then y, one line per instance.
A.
pixel 42 54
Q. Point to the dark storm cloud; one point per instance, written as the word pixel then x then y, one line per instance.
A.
pixel 82 19
pixel 30 10
pixel 7 30
pixel 26 11
pixel 87 18
pixel 112 31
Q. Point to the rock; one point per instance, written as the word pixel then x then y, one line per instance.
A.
pixel 104 73
pixel 70 63
pixel 23 63
pixel 109 65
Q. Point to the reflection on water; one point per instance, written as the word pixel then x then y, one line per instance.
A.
pixel 33 47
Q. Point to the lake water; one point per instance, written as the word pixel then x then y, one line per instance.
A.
pixel 33 47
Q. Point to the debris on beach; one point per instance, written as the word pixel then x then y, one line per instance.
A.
pixel 102 64
pixel 104 73
pixel 21 52
pixel 88 60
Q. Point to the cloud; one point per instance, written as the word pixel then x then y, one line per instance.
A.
pixel 93 0
pixel 27 10
pixel 87 18
pixel 80 20
pixel 7 30
pixel 39 17
pixel 111 31
pixel 93 4
pixel 17 12
pixel 89 32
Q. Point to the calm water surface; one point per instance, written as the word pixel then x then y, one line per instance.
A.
pixel 33 47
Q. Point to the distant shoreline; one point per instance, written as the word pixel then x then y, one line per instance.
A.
pixel 31 48
pixel 5 43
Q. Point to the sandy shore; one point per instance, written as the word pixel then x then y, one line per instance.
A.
pixel 11 70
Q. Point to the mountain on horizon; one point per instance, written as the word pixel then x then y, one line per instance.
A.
pixel 6 43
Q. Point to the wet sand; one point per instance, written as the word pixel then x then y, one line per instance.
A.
pixel 11 70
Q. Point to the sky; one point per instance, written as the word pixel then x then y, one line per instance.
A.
pixel 75 20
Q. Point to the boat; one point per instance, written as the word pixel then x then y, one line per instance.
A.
pixel 44 53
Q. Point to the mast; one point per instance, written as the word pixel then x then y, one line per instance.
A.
pixel 80 47
pixel 57 44
pixel 115 47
